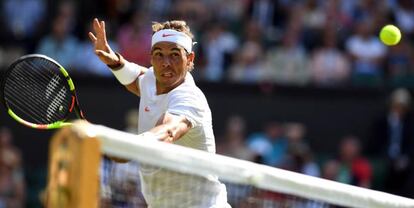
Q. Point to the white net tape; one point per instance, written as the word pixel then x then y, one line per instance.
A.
pixel 241 177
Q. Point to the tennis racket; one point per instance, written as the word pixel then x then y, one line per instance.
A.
pixel 38 92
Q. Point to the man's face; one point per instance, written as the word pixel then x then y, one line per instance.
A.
pixel 171 63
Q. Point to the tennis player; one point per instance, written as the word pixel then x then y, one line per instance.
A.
pixel 172 109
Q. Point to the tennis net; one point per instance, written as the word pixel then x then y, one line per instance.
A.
pixel 80 176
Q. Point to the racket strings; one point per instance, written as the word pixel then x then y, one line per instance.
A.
pixel 39 69
pixel 21 103
pixel 31 86
pixel 56 82
pixel 32 109
pixel 29 110
pixel 27 82
pixel 19 83
pixel 43 104
pixel 38 89
pixel 55 91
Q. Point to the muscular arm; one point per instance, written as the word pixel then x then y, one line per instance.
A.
pixel 133 88
pixel 170 128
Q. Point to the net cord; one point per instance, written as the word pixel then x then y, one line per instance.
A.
pixel 192 161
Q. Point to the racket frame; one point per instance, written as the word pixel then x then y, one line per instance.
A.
pixel 74 103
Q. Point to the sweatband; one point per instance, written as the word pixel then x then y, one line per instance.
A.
pixel 128 73
pixel 169 35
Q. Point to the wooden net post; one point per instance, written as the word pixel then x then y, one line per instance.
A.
pixel 73 173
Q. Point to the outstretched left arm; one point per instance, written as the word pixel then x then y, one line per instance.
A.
pixel 170 127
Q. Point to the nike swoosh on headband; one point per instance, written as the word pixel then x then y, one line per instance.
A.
pixel 167 35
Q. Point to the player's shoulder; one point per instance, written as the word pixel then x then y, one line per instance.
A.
pixel 189 92
pixel 188 87
pixel 149 73
pixel 147 80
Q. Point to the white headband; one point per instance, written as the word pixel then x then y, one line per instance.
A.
pixel 174 36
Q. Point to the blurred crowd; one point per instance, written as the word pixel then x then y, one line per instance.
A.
pixel 383 161
pixel 286 42
pixel 12 177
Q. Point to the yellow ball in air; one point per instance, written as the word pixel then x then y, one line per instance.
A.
pixel 390 35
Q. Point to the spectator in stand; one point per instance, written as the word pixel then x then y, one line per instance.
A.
pixel 375 10
pixel 314 20
pixel 355 169
pixel 12 182
pixel 118 12
pixel 287 64
pixel 329 66
pixel 253 32
pixel 404 17
pixel 299 156
pixel 193 12
pixel 60 43
pixel 230 11
pixel 263 12
pixel 232 143
pixel 22 25
pixel 247 67
pixel 268 15
pixel 299 159
pixel 159 9
pixel 393 141
pixel 134 39
pixel 367 54
pixel 399 63
pixel 218 46
pixel 295 132
pixel 21 20
pixel 270 146
pixel 330 170
pixel 338 15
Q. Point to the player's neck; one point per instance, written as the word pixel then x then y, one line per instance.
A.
pixel 163 89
